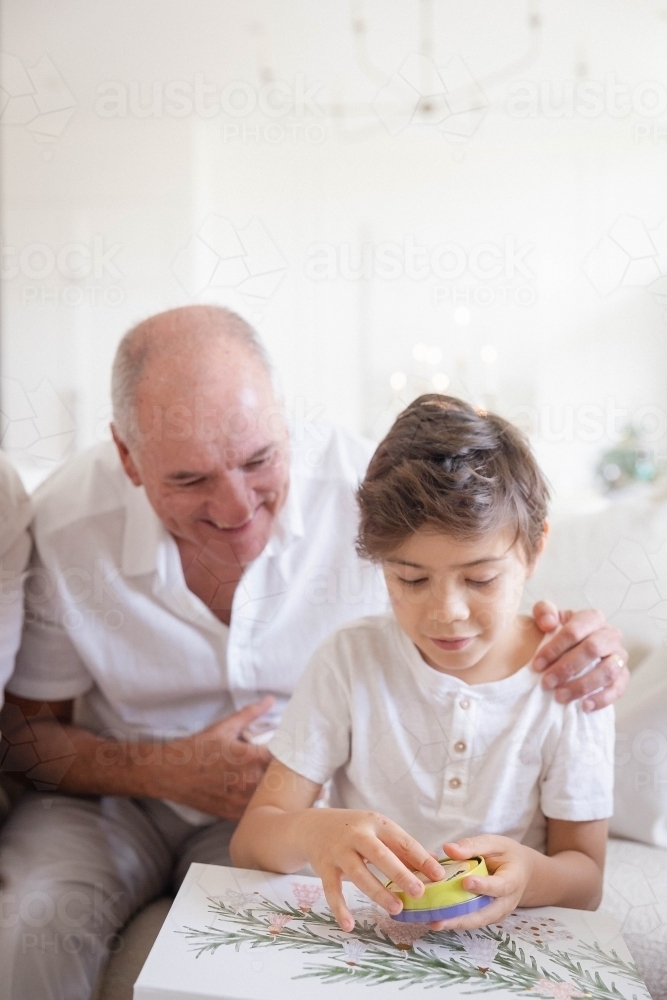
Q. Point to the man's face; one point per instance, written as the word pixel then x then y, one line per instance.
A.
pixel 214 461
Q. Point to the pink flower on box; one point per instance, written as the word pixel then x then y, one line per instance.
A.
pixel 278 922
pixel 479 948
pixel 559 991
pixel 306 895
pixel 403 935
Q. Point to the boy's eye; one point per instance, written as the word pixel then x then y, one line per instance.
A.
pixel 482 583
pixel 413 583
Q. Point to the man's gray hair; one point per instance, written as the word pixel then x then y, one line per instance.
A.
pixel 200 324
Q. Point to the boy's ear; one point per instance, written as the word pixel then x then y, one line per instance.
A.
pixel 539 550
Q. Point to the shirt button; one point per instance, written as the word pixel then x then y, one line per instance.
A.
pixel 454 782
pixel 460 746
pixel 464 703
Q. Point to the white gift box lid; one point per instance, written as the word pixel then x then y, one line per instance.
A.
pixel 233 934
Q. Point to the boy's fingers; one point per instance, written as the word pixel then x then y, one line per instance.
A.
pixel 472 847
pixel 431 868
pixel 412 854
pixel 358 873
pixel 494 913
pixel 390 865
pixel 336 900
pixel 501 883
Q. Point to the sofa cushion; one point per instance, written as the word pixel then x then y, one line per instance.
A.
pixel 615 560
pixel 137 940
pixel 640 798
pixel 635 895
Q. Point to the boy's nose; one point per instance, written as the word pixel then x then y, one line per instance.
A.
pixel 452 611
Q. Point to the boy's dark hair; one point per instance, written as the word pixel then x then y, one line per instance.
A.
pixel 447 467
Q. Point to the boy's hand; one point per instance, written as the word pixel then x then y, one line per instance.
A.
pixel 339 843
pixel 510 865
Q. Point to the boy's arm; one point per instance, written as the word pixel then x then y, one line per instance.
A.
pixel 268 836
pixel 280 832
pixel 570 874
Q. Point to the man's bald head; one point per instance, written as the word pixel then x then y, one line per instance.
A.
pixel 197 425
pixel 174 345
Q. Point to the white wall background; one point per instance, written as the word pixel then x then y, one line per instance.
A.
pixel 529 178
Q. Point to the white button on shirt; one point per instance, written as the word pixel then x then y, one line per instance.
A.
pixel 396 736
pixel 111 621
pixel 15 516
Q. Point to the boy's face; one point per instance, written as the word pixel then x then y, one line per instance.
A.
pixel 457 599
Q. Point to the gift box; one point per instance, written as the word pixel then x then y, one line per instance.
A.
pixel 233 934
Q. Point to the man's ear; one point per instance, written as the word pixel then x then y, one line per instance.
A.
pixel 539 549
pixel 126 459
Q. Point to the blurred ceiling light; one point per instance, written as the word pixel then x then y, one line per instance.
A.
pixel 419 352
pixel 489 354
pixel 461 315
pixel 398 381
pixel 433 355
pixel 440 381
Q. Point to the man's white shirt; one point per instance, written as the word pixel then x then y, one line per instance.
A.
pixel 111 622
pixel 442 758
pixel 15 516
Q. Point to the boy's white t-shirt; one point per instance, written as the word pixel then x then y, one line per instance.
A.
pixel 442 758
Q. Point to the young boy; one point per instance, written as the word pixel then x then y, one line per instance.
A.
pixel 429 722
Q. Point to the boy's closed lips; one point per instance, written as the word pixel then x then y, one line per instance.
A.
pixel 452 645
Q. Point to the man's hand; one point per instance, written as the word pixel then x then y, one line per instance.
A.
pixel 215 770
pixel 583 638
pixel 340 842
pixel 511 867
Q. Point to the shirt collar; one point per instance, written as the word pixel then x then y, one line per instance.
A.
pixel 145 534
pixel 289 524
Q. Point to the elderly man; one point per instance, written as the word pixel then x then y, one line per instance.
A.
pixel 181 580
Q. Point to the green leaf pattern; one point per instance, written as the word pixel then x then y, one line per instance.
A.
pixel 382 950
